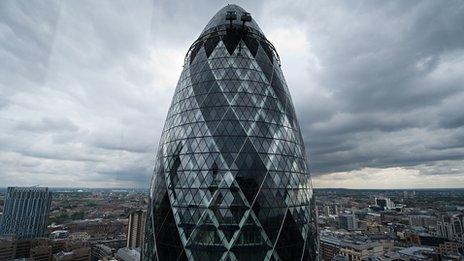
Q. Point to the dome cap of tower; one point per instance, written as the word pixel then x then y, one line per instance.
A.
pixel 219 19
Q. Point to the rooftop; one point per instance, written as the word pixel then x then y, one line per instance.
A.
pixel 354 244
pixel 415 251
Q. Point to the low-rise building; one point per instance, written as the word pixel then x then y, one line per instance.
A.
pixel 41 253
pixel 361 250
pixel 128 254
pixel 80 254
pixel 7 249
pixel 352 249
pixel 416 253
pixel 329 247
pixel 449 248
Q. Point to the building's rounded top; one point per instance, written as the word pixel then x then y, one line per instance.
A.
pixel 219 19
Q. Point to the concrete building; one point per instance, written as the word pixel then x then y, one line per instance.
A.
pixel 329 247
pixel 451 227
pixel 348 221
pixel 23 247
pixel 326 210
pixel 7 248
pixel 350 249
pixel 37 248
pixel 421 220
pixel 25 213
pixel 136 228
pixel 384 203
pixel 361 251
pixel 416 253
pixel 128 254
pixel 449 247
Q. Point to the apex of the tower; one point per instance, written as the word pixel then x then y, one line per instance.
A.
pixel 231 14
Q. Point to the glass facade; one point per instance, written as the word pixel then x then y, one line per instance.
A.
pixel 231 180
pixel 25 213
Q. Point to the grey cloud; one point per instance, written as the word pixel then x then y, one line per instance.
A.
pixel 140 175
pixel 47 124
pixel 390 68
pixel 57 155
pixel 81 95
pixel 126 143
pixel 26 38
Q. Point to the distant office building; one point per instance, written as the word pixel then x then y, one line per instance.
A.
pixel 25 213
pixel 348 221
pixel 136 228
pixel 458 225
pixel 421 220
pixel 326 210
pixel 384 203
pixel 451 227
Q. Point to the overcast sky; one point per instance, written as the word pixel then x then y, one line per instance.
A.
pixel 378 87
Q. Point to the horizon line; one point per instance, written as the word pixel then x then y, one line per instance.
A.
pixel 146 188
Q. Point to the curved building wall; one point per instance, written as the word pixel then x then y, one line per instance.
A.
pixel 231 180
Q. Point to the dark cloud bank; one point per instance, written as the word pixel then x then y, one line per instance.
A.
pixel 85 86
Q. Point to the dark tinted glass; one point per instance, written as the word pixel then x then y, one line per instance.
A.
pixel 231 180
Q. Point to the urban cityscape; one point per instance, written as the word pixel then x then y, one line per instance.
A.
pixel 299 131
pixel 108 224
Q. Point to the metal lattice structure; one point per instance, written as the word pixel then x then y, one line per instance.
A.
pixel 231 180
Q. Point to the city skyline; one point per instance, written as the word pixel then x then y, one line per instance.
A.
pixel 377 88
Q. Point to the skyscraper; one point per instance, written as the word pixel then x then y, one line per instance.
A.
pixel 25 213
pixel 136 228
pixel 231 180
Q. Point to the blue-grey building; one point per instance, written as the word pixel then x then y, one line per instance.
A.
pixel 348 221
pixel 25 213
pixel 231 180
